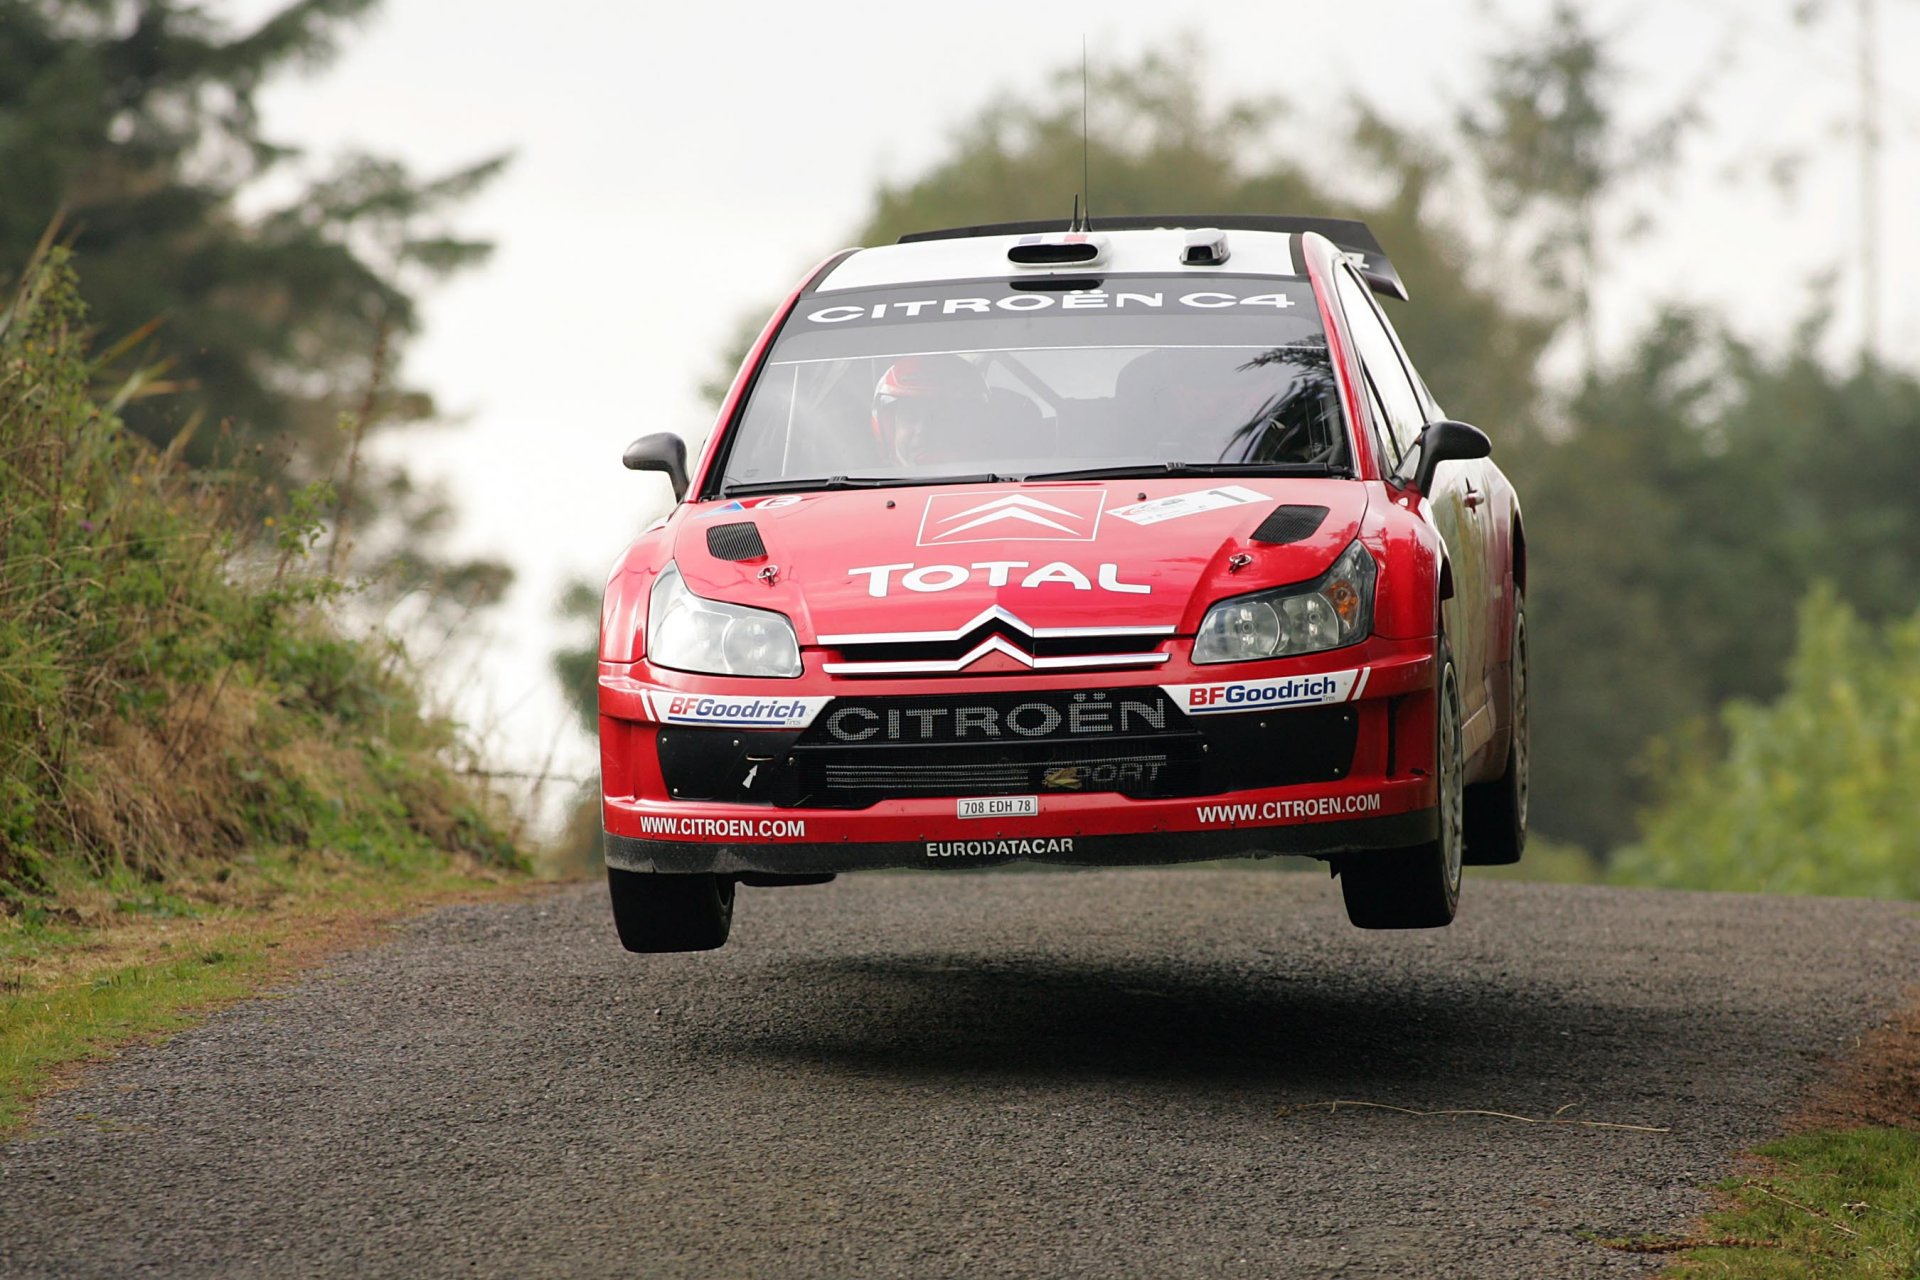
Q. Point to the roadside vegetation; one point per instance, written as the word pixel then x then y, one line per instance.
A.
pixel 1814 792
pixel 1841 1205
pixel 188 735
pixel 203 772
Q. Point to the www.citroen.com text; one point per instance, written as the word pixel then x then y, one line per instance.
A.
pixel 1287 810
pixel 731 828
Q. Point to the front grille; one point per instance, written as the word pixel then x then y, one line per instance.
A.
pixel 994 631
pixel 1142 768
pixel 1132 742
pixel 986 719
pixel 931 651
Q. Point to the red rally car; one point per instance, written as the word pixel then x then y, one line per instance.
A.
pixel 1137 545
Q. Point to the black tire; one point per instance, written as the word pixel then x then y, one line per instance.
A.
pixel 1497 810
pixel 1418 888
pixel 670 913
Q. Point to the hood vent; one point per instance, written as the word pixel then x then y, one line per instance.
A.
pixel 1290 524
pixel 736 542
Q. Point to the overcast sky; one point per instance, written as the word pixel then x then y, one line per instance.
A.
pixel 678 165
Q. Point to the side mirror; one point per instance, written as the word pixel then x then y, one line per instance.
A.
pixel 1447 442
pixel 662 451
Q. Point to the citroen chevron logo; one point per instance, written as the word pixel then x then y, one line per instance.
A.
pixel 1045 515
pixel 1013 508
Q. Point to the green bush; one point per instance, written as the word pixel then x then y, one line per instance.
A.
pixel 172 690
pixel 1818 792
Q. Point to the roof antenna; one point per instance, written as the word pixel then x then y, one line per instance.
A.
pixel 1086 186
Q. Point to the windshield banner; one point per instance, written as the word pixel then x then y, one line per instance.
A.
pixel 1134 295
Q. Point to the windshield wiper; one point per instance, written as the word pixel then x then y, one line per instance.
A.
pixel 815 484
pixel 1311 470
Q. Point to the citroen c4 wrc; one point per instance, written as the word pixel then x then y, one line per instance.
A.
pixel 1137 544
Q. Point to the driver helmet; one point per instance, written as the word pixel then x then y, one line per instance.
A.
pixel 925 407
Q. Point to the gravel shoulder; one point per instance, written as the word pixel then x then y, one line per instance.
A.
pixel 1092 1073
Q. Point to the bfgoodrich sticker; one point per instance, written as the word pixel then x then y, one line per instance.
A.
pixel 668 707
pixel 1268 695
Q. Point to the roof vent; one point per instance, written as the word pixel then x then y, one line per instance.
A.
pixel 1059 249
pixel 1204 248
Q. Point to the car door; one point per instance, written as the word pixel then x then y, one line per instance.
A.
pixel 1457 506
pixel 1480 556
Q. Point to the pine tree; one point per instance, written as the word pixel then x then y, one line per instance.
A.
pixel 130 128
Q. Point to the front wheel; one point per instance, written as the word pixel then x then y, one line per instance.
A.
pixel 1418 888
pixel 670 913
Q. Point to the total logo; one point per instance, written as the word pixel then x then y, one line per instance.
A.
pixel 997 573
pixel 1037 515
pixel 1268 695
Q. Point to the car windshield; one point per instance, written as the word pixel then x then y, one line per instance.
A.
pixel 1000 378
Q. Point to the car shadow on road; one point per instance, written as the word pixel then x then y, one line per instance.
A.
pixel 950 1016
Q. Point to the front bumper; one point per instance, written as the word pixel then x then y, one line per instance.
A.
pixel 1130 847
pixel 1381 795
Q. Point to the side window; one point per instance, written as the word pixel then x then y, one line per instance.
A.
pixel 1405 414
pixel 1430 410
pixel 1383 438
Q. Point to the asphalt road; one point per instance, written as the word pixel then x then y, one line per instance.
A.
pixel 1094 1073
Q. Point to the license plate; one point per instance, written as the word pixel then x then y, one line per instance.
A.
pixel 998 807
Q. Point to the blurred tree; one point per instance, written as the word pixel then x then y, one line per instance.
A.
pixel 1606 505
pixel 1547 136
pixel 1702 487
pixel 134 121
pixel 576 667
pixel 1812 793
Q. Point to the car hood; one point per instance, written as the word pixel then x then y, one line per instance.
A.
pixel 1132 553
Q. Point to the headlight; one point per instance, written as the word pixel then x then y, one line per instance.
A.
pixel 689 633
pixel 1333 610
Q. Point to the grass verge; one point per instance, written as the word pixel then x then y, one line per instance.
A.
pixel 1838 1198
pixel 1834 1205
pixel 156 962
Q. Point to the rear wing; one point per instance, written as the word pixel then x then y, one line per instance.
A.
pixel 1350 236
